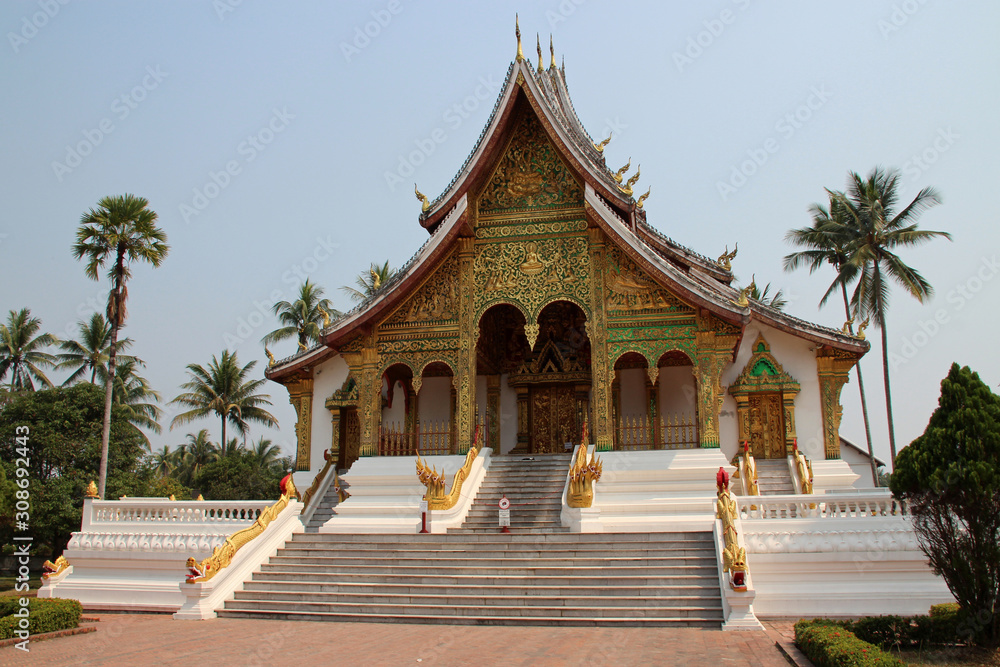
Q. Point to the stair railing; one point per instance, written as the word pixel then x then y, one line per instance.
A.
pixel 736 586
pixel 584 472
pixel 750 471
pixel 434 481
pixel 804 468
pixel 318 483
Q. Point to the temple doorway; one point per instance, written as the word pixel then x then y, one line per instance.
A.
pixel 767 425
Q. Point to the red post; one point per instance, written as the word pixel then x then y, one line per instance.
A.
pixel 423 517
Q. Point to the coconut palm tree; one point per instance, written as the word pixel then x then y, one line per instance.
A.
pixel 137 399
pixel 223 389
pixel 870 205
pixel 21 351
pixel 120 231
pixel 266 454
pixel 776 301
pixel 91 351
pixel 828 241
pixel 303 318
pixel 227 448
pixel 369 282
pixel 196 453
pixel 165 461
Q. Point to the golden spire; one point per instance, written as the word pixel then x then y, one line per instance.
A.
pixel 642 198
pixel 426 204
pixel 552 53
pixel 600 146
pixel 538 45
pixel 517 31
pixel 621 172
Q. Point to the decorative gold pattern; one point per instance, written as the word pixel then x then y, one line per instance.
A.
pixel 506 231
pixel 434 481
pixel 734 557
pixel 91 490
pixel 300 395
pixel 833 368
pixel 765 403
pixel 584 472
pixel 620 174
pixel 643 197
pixel 600 146
pixel 54 569
pixel 630 289
pixel 270 357
pixel 435 301
pixel 223 555
pixel 726 258
pixel 627 188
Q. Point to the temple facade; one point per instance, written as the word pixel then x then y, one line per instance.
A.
pixel 542 300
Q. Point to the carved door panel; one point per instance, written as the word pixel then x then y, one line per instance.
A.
pixel 350 438
pixel 553 418
pixel 767 426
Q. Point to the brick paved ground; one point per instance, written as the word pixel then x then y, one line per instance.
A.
pixel 124 640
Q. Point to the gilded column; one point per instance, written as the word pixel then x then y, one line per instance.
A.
pixel 714 352
pixel 653 410
pixel 468 333
pixel 369 398
pixel 523 438
pixel 335 440
pixel 452 440
pixel 602 431
pixel 833 368
pixel 493 412
pixel 300 393
pixel 411 416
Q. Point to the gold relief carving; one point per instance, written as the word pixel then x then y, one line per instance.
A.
pixel 630 289
pixel 531 333
pixel 714 353
pixel 597 332
pixel 465 372
pixel 436 300
pixel 417 345
pixel 531 274
pixel 300 394
pixel 530 174
pixel 505 231
pixel 833 368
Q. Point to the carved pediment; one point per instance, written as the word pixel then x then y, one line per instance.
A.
pixel 763 373
pixel 435 301
pixel 629 288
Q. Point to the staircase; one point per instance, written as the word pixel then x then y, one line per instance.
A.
pixel 324 510
pixel 521 578
pixel 774 478
pixel 532 484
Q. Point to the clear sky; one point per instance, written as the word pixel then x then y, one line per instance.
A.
pixel 278 140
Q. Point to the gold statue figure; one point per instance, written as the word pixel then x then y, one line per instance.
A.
pixel 725 260
pixel 425 203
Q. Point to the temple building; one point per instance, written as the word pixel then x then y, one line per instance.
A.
pixel 543 299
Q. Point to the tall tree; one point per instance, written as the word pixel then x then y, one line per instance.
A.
pixel 90 353
pixel 136 396
pixel 828 241
pixel 196 453
pixel 265 453
pixel 223 389
pixel 776 300
pixel 121 230
pixel 369 282
pixel 21 350
pixel 165 461
pixel 303 318
pixel 870 206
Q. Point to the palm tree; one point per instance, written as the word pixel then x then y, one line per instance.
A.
pixel 227 448
pixel 266 454
pixel 870 205
pixel 828 242
pixel 197 452
pixel 165 461
pixel 21 352
pixel 303 318
pixel 776 301
pixel 369 283
pixel 137 399
pixel 91 352
pixel 121 230
pixel 223 389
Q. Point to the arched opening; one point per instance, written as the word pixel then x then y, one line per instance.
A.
pixel 396 432
pixel 501 350
pixel 434 422
pixel 677 401
pixel 631 393
pixel 552 381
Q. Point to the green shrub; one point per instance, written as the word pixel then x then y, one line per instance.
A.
pixel 830 644
pixel 44 615
pixel 884 631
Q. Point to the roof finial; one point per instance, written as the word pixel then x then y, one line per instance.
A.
pixel 538 45
pixel 552 53
pixel 517 31
pixel 627 190
pixel 642 198
pixel 425 203
pixel 621 172
pixel 600 146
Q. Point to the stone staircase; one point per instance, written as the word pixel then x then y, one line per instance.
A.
pixel 773 477
pixel 521 578
pixel 325 510
pixel 533 484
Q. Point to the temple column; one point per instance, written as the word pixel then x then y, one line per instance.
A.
pixel 493 413
pixel 452 426
pixel 369 398
pixel 602 432
pixel 410 426
pixel 653 405
pixel 523 437
pixel 833 368
pixel 335 439
pixel 300 393
pixel 465 374
pixel 788 405
pixel 714 352
pixel 616 408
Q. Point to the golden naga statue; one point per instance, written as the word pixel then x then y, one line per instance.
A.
pixel 270 357
pixel 582 475
pixel 51 569
pixel 726 258
pixel 743 300
pixel 326 316
pixel 643 198
pixel 734 557
pixel 847 327
pixel 600 146
pixel 618 175
pixel 425 203
pixel 861 330
pixel 632 181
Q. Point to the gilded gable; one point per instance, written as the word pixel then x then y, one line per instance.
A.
pixel 629 289
pixel 435 301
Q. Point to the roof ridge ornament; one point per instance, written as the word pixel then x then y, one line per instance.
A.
pixel 642 198
pixel 425 203
pixel 627 190
pixel 538 46
pixel 552 53
pixel 517 33
pixel 621 172
pixel 726 258
pixel 600 146
pixel 861 330
pixel 743 300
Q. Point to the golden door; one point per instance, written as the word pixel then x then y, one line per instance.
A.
pixel 767 426
pixel 553 418
pixel 350 437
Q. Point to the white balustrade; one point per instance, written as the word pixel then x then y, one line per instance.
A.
pixel 157 511
pixel 878 503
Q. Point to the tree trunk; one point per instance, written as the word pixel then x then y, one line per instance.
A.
pixel 222 447
pixel 115 319
pixel 861 388
pixel 880 320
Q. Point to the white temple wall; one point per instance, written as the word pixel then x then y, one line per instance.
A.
pixel 508 416
pixel 860 465
pixel 798 358
pixel 632 392
pixel 435 400
pixel 396 414
pixel 328 377
pixel 678 392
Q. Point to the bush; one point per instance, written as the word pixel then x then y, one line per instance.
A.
pixel 884 631
pixel 830 644
pixel 44 615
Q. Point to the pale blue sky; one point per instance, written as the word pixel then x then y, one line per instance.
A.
pixel 692 90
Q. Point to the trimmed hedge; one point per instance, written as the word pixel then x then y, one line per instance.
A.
pixel 44 615
pixel 830 644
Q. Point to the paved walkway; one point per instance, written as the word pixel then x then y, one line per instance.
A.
pixel 136 639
